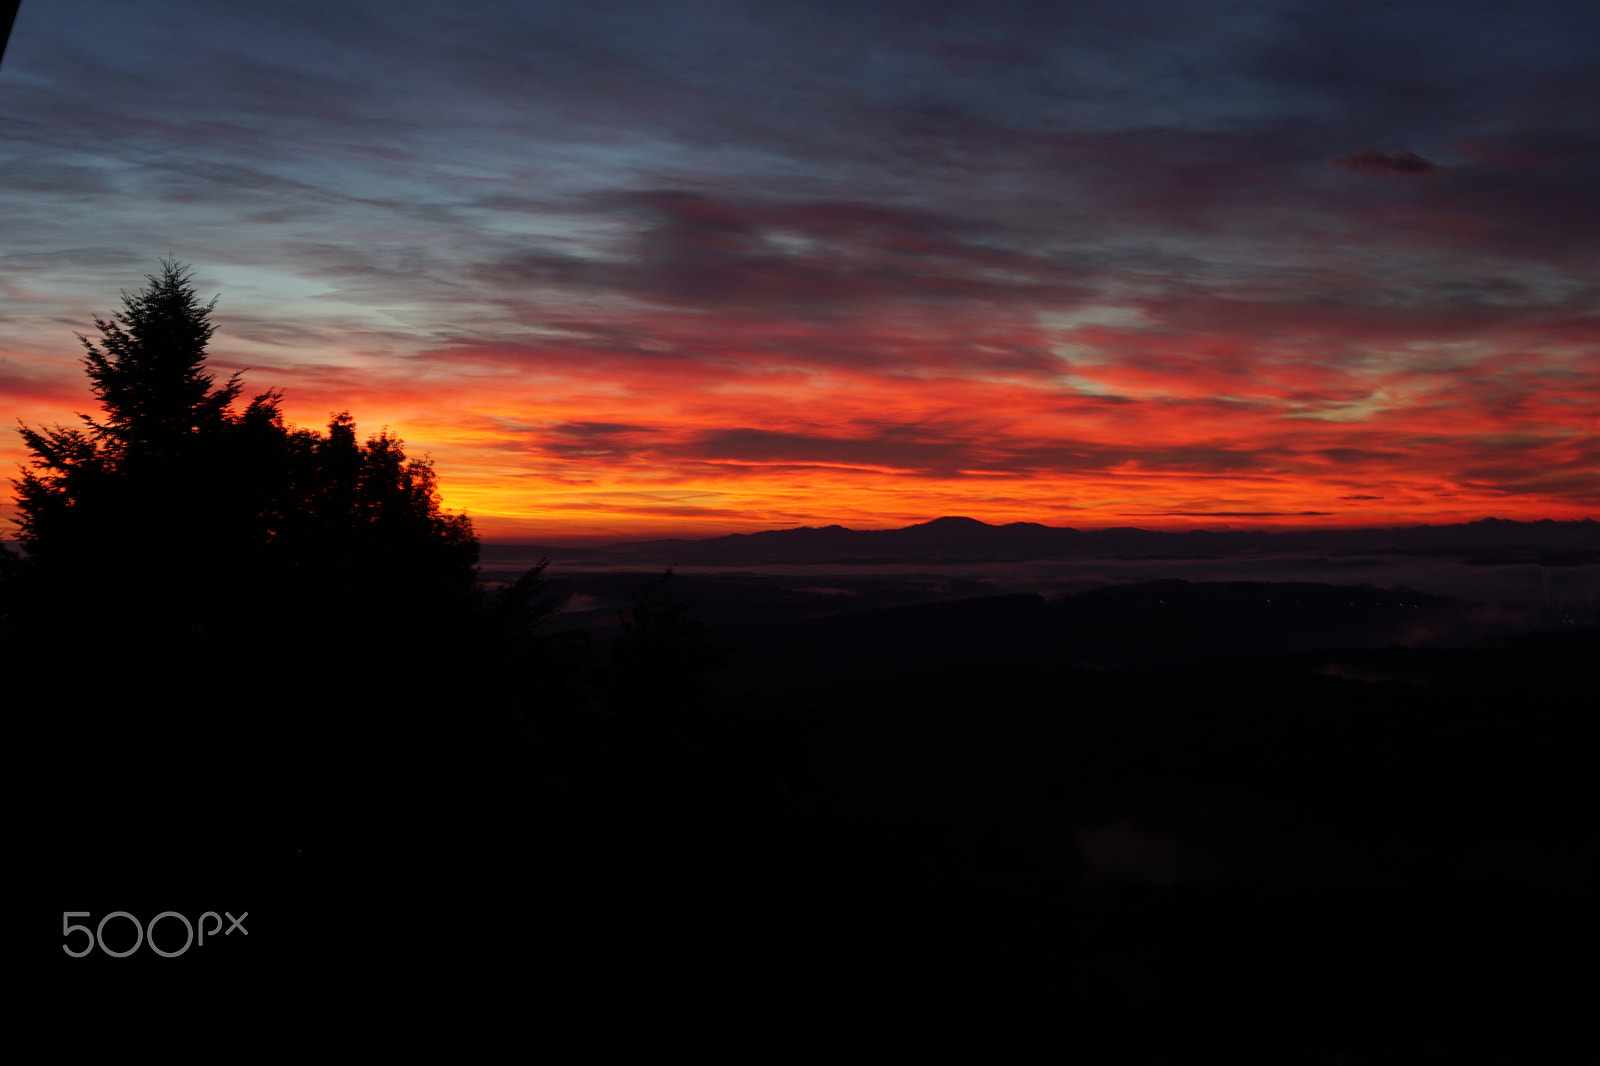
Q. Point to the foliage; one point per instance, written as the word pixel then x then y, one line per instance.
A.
pixel 662 656
pixel 170 484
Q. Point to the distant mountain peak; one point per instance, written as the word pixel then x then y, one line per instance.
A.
pixel 952 522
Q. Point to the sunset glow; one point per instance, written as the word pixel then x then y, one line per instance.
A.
pixel 635 270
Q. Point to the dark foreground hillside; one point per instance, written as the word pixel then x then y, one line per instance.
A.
pixel 1161 823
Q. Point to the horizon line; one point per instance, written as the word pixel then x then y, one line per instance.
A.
pixel 602 540
pixel 599 540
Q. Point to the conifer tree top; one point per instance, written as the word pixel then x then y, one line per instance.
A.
pixel 148 370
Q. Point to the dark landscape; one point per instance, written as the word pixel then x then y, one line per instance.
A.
pixel 821 788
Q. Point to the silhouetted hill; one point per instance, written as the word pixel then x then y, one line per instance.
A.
pixel 956 539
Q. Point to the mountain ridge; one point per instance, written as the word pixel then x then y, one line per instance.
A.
pixel 955 538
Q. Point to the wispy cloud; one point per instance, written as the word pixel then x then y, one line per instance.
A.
pixel 656 268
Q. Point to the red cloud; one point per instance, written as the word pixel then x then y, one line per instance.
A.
pixel 1401 164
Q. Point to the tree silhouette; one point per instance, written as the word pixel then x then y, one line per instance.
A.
pixel 224 622
pixel 145 505
pixel 356 530
pixel 660 660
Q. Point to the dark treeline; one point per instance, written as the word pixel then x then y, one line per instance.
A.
pixel 1000 830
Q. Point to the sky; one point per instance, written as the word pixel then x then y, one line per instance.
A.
pixel 659 268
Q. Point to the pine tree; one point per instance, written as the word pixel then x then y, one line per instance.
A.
pixel 233 633
pixel 121 510
pixel 150 375
pixel 173 505
pixel 662 658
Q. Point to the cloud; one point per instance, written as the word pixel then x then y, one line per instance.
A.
pixel 827 261
pixel 1359 496
pixel 1401 164
pixel 902 448
pixel 692 249
pixel 594 440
